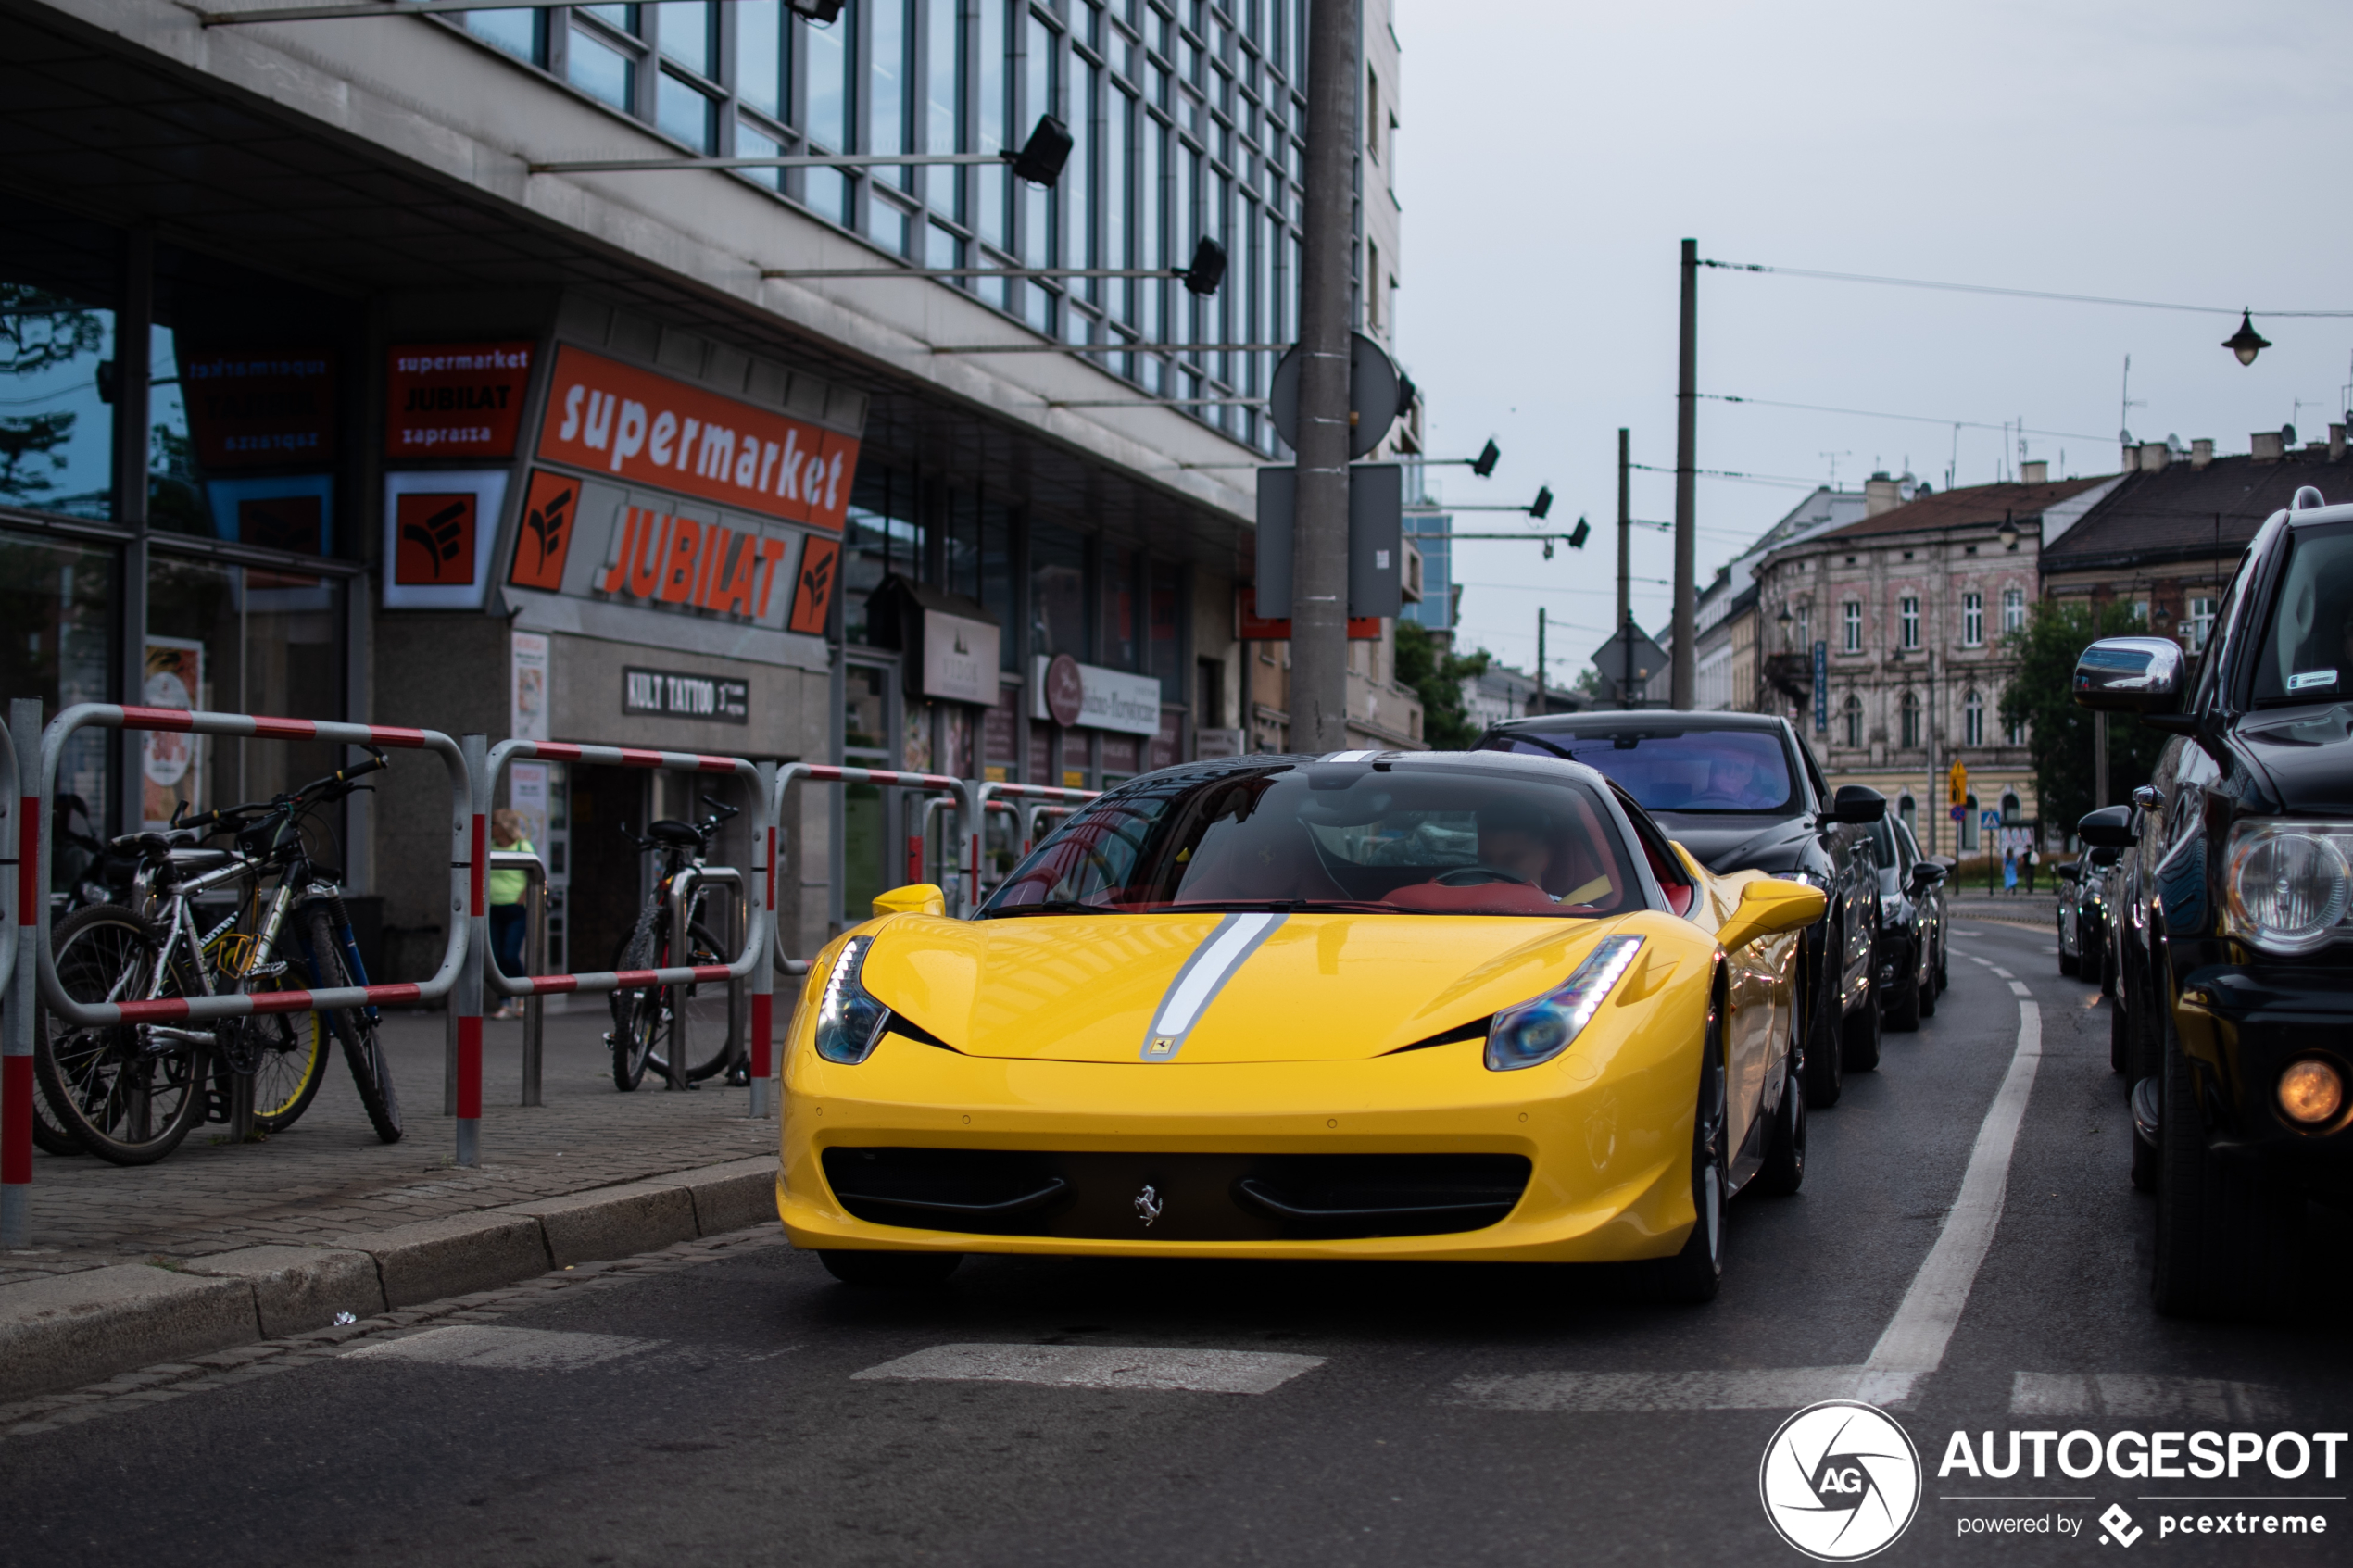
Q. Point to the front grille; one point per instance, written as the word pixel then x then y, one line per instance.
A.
pixel 1201 1197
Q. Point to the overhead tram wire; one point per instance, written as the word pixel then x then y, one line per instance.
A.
pixel 2012 294
pixel 1743 478
pixel 1910 419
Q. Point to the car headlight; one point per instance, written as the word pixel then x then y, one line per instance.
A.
pixel 849 1021
pixel 2286 883
pixel 1539 1030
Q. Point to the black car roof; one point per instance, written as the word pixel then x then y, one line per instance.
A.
pixel 1688 719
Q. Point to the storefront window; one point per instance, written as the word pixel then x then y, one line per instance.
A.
pixel 55 598
pixel 241 640
pixel 882 536
pixel 1057 591
pixel 56 432
pixel 1119 607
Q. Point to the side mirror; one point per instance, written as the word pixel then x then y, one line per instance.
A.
pixel 1857 804
pixel 1926 873
pixel 1770 907
pixel 2131 675
pixel 2148 797
pixel 2070 872
pixel 915 898
pixel 2110 827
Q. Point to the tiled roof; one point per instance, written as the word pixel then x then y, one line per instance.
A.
pixel 1973 506
pixel 2184 513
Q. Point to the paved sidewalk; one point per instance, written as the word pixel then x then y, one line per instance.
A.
pixel 328 1177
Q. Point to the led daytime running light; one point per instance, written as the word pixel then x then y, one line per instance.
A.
pixel 1536 1031
pixel 849 1021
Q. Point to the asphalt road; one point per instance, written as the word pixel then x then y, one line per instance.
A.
pixel 1405 1415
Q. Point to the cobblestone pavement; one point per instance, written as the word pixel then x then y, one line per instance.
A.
pixel 328 1176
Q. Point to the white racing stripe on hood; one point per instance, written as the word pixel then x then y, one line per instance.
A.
pixel 1204 975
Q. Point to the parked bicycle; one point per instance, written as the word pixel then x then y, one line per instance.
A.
pixel 650 1022
pixel 130 1093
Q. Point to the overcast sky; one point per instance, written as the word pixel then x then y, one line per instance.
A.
pixel 1552 157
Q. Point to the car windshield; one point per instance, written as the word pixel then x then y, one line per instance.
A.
pixel 1292 835
pixel 2307 652
pixel 1675 770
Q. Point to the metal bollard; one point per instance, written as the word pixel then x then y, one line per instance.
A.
pixel 16 1046
pixel 466 996
pixel 534 941
pixel 759 1048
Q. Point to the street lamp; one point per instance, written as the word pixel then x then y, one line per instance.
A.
pixel 2246 342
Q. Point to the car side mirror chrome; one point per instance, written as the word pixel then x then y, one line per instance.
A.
pixel 915 898
pixel 2131 675
pixel 1857 805
pixel 1925 873
pixel 1770 907
pixel 2110 827
pixel 2148 797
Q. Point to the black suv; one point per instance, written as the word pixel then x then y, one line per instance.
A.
pixel 1740 791
pixel 2236 935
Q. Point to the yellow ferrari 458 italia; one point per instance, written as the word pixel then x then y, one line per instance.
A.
pixel 1467 1006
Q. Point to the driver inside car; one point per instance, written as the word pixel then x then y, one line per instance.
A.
pixel 1521 841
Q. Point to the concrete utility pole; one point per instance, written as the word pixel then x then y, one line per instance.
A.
pixel 1683 679
pixel 1625 561
pixel 1541 705
pixel 1320 535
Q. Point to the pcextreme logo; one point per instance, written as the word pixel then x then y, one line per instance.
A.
pixel 1840 1481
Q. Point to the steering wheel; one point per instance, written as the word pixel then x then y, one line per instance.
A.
pixel 1477 876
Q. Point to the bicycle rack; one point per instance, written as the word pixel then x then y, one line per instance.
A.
pixel 20 852
pixel 919 841
pixel 760 908
pixel 453 975
pixel 1046 799
pixel 535 946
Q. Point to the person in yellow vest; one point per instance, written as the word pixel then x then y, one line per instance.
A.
pixel 506 890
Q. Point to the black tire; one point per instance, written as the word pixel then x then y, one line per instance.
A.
pixel 370 1071
pixel 2070 963
pixel 119 1099
pixel 2120 1039
pixel 1903 1013
pixel 2227 1229
pixel 2146 1158
pixel 890 1271
pixel 1695 1273
pixel 1944 951
pixel 294 1063
pixel 1859 1037
pixel 49 1134
pixel 643 1041
pixel 1784 1169
pixel 1824 1064
pixel 1926 984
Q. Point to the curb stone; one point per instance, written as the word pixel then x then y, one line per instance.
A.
pixel 73 1329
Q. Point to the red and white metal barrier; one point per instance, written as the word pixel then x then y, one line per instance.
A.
pixel 1042 797
pixel 759 901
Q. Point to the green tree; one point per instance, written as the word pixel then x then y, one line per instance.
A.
pixel 2059 733
pixel 1437 678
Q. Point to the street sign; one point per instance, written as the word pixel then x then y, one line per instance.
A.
pixel 1822 688
pixel 1630 647
pixel 1960 813
pixel 1957 787
pixel 1378 394
pixel 1376 541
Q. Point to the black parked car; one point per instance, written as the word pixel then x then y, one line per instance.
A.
pixel 2083 914
pixel 2234 936
pixel 1741 790
pixel 1910 958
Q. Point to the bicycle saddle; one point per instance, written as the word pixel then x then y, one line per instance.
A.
pixel 670 830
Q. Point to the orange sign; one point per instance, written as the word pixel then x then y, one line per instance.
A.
pixel 549 512
pixel 436 534
pixel 682 560
pixel 652 430
pixel 455 399
pixel 1251 627
pixel 812 595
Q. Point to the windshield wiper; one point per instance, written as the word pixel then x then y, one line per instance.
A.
pixel 1050 906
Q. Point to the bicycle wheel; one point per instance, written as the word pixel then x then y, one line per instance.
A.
pixel 125 1095
pixel 292 1064
pixel 637 1013
pixel 351 1028
pixel 701 1007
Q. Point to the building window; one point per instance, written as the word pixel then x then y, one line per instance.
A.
pixel 1910 710
pixel 1972 621
pixel 2013 610
pixel 1852 613
pixel 1968 826
pixel 1973 719
pixel 1854 713
pixel 2198 624
pixel 1907 619
pixel 1372 115
pixel 2014 733
pixel 2009 809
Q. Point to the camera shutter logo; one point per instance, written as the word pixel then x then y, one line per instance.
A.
pixel 1840 1481
pixel 2118 1525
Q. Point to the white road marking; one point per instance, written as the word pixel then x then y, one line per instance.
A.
pixel 1913 1345
pixel 504 1349
pixel 2124 1396
pixel 1099 1366
pixel 1975 960
pixel 2000 970
pixel 1772 1388
pixel 2018 990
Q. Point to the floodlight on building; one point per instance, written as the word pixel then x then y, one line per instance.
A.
pixel 1039 160
pixel 822 12
pixel 2246 342
pixel 1489 456
pixel 1543 503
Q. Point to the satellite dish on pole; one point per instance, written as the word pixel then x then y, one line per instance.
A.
pixel 1378 394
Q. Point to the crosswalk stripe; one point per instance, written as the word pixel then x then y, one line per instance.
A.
pixel 1099 1366
pixel 1770 1388
pixel 2140 1397
pixel 500 1349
